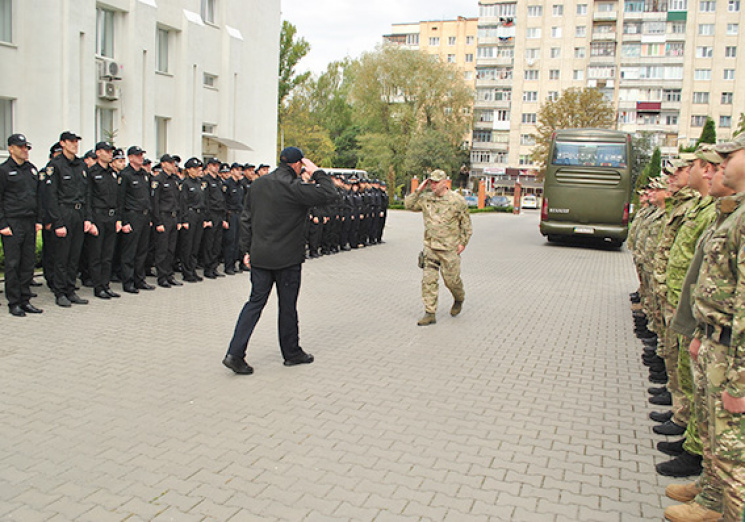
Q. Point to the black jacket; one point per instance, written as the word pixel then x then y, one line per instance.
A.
pixel 273 230
pixel 18 192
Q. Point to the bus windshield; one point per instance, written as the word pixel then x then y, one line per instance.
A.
pixel 590 154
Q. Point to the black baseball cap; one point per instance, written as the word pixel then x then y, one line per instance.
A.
pixel 147 161
pixel 290 155
pixel 167 158
pixel 224 167
pixel 193 163
pixel 236 166
pixel 176 158
pixel 69 136
pixel 102 145
pixel 212 161
pixel 134 150
pixel 267 166
pixel 249 166
pixel 89 155
pixel 56 147
pixel 118 154
pixel 19 140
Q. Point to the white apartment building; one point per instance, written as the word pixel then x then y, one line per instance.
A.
pixel 664 64
pixel 188 77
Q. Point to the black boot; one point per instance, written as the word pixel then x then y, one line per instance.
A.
pixel 671 448
pixel 686 465
pixel 661 416
pixel 663 399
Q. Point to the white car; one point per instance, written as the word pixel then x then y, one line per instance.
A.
pixel 530 202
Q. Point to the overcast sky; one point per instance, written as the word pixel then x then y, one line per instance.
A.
pixel 339 28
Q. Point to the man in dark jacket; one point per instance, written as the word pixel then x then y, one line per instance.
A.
pixel 279 208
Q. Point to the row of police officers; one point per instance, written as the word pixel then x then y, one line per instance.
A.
pixel 688 245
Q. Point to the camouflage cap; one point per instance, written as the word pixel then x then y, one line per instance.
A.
pixel 659 183
pixel 438 175
pixel 706 152
pixel 688 156
pixel 737 143
pixel 669 169
pixel 679 163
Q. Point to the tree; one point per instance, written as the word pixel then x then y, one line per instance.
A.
pixel 575 109
pixel 740 125
pixel 708 135
pixel 641 152
pixel 291 51
pixel 299 127
pixel 408 105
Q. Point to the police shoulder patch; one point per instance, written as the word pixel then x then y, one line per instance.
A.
pixel 224 188
pixel 41 176
pixel 154 185
pixel 50 170
pixel 204 185
pixel 119 181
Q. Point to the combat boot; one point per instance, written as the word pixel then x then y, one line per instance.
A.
pixel 691 512
pixel 457 307
pixel 685 465
pixel 662 399
pixel 674 449
pixel 683 492
pixel 427 319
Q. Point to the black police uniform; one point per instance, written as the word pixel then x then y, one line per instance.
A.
pixel 19 210
pixel 134 208
pixel 217 214
pixel 357 217
pixel 346 214
pixel 166 203
pixel 194 210
pixel 103 197
pixel 234 195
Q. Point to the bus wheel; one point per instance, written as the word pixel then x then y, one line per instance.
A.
pixel 552 238
pixel 616 243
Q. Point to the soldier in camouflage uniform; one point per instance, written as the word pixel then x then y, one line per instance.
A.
pixel 719 308
pixel 447 230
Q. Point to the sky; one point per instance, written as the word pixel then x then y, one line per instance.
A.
pixel 339 28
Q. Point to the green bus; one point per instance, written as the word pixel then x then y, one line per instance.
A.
pixel 587 188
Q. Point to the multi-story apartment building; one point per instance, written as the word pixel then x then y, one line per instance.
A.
pixel 191 77
pixel 664 64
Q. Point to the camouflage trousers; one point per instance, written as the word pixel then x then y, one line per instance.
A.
pixel 670 351
pixel 693 396
pixel 438 262
pixel 727 431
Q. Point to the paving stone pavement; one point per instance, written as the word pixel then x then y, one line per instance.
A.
pixel 530 406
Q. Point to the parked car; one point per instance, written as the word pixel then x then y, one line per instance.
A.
pixel 530 201
pixel 472 201
pixel 500 202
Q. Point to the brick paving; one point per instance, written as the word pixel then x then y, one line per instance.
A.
pixel 529 406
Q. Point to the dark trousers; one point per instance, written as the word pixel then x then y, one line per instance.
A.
pixel 47 256
pixel 20 257
pixel 346 227
pixel 230 240
pixel 315 235
pixel 165 246
pixel 212 242
pixel 134 249
pixel 100 248
pixel 67 252
pixel 382 227
pixel 287 281
pixel 190 242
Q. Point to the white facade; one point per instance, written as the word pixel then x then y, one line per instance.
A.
pixel 195 77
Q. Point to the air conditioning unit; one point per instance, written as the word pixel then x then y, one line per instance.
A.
pixel 109 69
pixel 108 90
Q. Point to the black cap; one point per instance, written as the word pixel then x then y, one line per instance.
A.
pixel 19 140
pixel 119 154
pixel 176 158
pixel 56 147
pixel 167 158
pixel 147 161
pixel 193 163
pixel 212 161
pixel 134 150
pixel 290 155
pixel 89 155
pixel 236 166
pixel 249 166
pixel 267 166
pixel 224 168
pixel 69 136
pixel 102 145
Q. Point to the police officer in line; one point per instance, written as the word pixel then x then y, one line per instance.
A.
pixel 66 189
pixel 346 214
pixel 216 216
pixel 103 185
pixel 234 197
pixel 194 210
pixel 167 219
pixel 47 242
pixel 20 219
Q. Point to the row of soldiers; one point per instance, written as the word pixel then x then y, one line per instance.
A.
pixel 355 220
pixel 689 311
pixel 114 216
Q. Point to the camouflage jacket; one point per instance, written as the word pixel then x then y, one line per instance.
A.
pixel 719 295
pixel 695 222
pixel 676 207
pixel 447 222
pixel 636 226
pixel 648 238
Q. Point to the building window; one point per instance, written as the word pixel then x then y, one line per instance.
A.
pixel 451 40
pixel 502 115
pixel 104 32
pixel 733 6
pixel 729 74
pixel 678 27
pixel 552 96
pixel 469 40
pixel 209 80
pixel 161 136
pixel 580 31
pixel 581 9
pixel 412 39
pixel 480 156
pixel 527 139
pixel 578 74
pixel 702 74
pixel 700 97
pixel 208 11
pixel 533 32
pixel 535 10
pixel 671 95
pixel 727 98
pixel 555 52
pixel 500 157
pixel 704 51
pixel 482 136
pixel 579 52
pixel 556 32
pixel 558 10
pixel 468 75
pixel 674 49
pixel 451 58
pixel 104 124
pixel 469 58
pixel 733 29
pixel 6 121
pixel 554 74
pixel 531 54
pixel 698 121
pixel 434 41
pixel 705 29
pixel 730 51
pixel 671 119
pixel 525 159
pixel 707 6
pixel 162 56
pixel 530 96
pixel 531 75
pixel 678 5
pixel 485 116
pixel 529 118
pixel 725 121
pixel 6 23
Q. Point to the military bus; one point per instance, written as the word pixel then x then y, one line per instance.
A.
pixel 587 189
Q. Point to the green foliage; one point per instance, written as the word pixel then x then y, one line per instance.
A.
pixel 652 170
pixel 291 51
pixel 740 125
pixel 641 153
pixel 708 135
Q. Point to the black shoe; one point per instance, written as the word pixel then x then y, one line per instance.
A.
pixel 230 271
pixel 131 289
pixel 244 268
pixel 303 358
pixel 239 366
pixel 651 343
pixel 648 335
pixel 145 286
pixel 656 391
pixel 63 301
pixel 17 311
pixel 686 465
pixel 150 273
pixel 76 299
pixel 656 367
pixel 658 377
pixel 34 282
pixel 198 278
pixel 653 362
pixel 164 284
pixel 650 351
pixel 101 294
pixel 671 448
pixel 31 309
pixel 32 295
pixel 313 255
pixel 191 279
pixel 669 428
pixel 172 281
pixel 346 248
pixel 661 416
pixel 209 275
pixel 217 274
pixel 111 292
pixel 663 399
pixel 632 295
pixel 638 313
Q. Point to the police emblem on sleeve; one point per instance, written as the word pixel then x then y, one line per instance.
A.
pixel 204 185
pixel 154 185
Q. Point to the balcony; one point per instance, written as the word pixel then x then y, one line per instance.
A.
pixel 501 125
pixel 603 60
pixel 604 37
pixel 499 60
pixel 653 16
pixel 605 16
pixel 670 106
pixel 502 82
